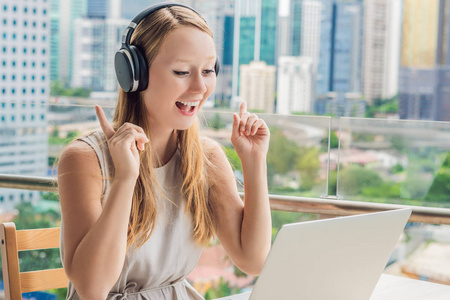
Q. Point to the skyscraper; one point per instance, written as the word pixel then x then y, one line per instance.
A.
pixel 24 90
pixel 425 67
pixel 295 84
pixel 257 86
pixel 345 72
pixel 381 48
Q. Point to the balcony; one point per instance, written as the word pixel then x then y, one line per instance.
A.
pixel 319 167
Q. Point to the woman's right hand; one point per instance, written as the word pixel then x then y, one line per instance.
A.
pixel 123 146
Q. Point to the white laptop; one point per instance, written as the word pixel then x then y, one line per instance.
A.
pixel 339 258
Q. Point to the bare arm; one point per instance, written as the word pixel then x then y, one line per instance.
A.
pixel 244 229
pixel 95 239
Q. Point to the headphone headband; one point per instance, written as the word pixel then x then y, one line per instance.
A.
pixel 126 37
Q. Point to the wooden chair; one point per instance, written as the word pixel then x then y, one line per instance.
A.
pixel 17 282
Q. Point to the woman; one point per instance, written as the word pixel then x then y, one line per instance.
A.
pixel 141 197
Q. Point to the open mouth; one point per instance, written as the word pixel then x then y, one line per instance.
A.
pixel 187 107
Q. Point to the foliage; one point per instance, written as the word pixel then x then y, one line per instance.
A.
pixel 50 196
pixel 221 290
pixel 389 105
pixel 334 141
pixel 57 88
pixel 440 188
pixel 354 179
pixel 239 273
pixel 282 153
pixel 308 165
pixel 398 168
pixel 217 123
pixel 233 158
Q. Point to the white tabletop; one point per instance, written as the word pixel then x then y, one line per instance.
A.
pixel 394 287
pixel 401 288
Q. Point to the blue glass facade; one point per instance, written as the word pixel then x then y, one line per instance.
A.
pixel 339 68
pixel 227 55
pixel 269 13
pixel 295 20
pixel 347 48
pixel 247 40
pixel 323 69
pixel 97 9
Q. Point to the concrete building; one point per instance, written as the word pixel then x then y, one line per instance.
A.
pixel 24 91
pixel 425 62
pixel 257 86
pixel 310 42
pixel 295 85
pixel 381 49
pixel 96 42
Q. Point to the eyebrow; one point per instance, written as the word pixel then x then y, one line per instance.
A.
pixel 187 60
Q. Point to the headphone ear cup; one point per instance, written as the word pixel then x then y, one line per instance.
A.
pixel 140 68
pixel 217 66
pixel 124 69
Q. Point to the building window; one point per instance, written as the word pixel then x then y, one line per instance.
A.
pixel 42 117
pixel 44 38
pixel 14 50
pixel 24 50
pixel 25 10
pixel 3 91
pixel 32 91
pixel 34 24
pixel 4 49
pixel 24 37
pixel 43 51
pixel 4 21
pixel 32 77
pixel 5 8
pixel 34 10
pixel 32 117
pixel 14 63
pixel 34 37
pixel 44 24
pixel 23 117
pixel 44 11
pixel 4 35
pixel 24 63
pixel 24 91
pixel 3 77
pixel 4 63
pixel 24 77
pixel 25 23
pixel 13 91
pixel 13 77
pixel 43 77
pixel 33 50
pixel 43 91
pixel 14 22
pixel 33 64
pixel 13 118
pixel 14 8
pixel 43 64
pixel 14 36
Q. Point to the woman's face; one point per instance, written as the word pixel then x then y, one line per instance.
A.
pixel 181 78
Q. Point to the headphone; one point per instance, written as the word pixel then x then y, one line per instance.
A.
pixel 129 62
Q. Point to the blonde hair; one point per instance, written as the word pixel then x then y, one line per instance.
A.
pixel 148 36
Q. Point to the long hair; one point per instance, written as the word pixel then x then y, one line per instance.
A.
pixel 148 37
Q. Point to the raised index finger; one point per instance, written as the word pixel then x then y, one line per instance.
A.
pixel 108 130
pixel 243 108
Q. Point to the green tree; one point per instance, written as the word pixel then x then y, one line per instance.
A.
pixel 223 289
pixel 233 158
pixel 308 165
pixel 353 179
pixel 217 123
pixel 440 188
pixel 282 153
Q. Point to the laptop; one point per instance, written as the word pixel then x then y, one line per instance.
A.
pixel 339 258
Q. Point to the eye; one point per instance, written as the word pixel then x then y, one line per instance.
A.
pixel 209 71
pixel 180 73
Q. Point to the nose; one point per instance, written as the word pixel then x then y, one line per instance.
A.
pixel 198 84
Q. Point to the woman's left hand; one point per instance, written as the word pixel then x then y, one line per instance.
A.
pixel 250 136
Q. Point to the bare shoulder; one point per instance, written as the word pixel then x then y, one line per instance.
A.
pixel 211 147
pixel 78 156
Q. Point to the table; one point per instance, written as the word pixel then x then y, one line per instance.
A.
pixel 395 288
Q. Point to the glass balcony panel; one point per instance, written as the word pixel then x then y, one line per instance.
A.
pixel 394 161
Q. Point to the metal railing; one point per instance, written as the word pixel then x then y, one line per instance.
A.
pixel 323 207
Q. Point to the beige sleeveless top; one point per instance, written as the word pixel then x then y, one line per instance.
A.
pixel 158 269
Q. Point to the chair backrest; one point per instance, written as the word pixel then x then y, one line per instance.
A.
pixel 17 282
